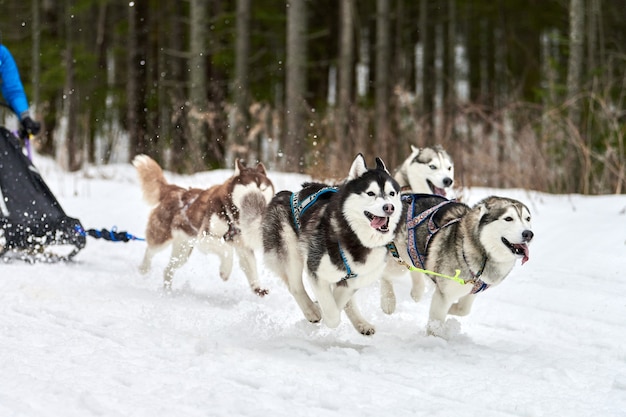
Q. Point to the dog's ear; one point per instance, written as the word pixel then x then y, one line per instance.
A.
pixel 484 208
pixel 415 153
pixel 261 168
pixel 381 165
pixel 239 166
pixel 358 167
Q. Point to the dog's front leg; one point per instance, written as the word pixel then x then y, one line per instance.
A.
pixel 310 310
pixel 357 320
pixel 324 295
pixel 146 263
pixel 439 307
pixel 247 261
pixel 181 249
pixel 463 306
pixel 387 295
pixel 417 289
pixel 208 243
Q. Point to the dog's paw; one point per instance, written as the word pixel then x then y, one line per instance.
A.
pixel 167 289
pixel 313 315
pixel 366 329
pixel 261 292
pixel 144 269
pixel 445 330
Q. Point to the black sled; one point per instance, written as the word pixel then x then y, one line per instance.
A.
pixel 31 218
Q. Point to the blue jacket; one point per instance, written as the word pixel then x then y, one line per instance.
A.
pixel 12 88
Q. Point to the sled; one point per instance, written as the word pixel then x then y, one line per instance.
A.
pixel 31 218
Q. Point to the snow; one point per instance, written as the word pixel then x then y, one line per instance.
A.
pixel 96 338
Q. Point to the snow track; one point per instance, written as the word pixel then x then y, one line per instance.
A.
pixel 95 338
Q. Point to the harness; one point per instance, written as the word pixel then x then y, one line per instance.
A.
pixel 298 207
pixel 413 221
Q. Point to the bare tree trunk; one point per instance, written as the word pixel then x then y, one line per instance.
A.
pixel 343 142
pixel 36 72
pixel 239 146
pixel 574 69
pixel 427 35
pixel 295 116
pixel 448 70
pixel 198 82
pixel 574 65
pixel 383 45
pixel 175 67
pixel 71 148
pixel 134 85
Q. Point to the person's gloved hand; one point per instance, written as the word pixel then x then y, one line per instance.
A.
pixel 32 127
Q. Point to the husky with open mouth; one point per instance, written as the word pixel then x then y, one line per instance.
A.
pixel 338 236
pixel 427 170
pixel 468 248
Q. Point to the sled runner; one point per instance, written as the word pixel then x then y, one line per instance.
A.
pixel 31 218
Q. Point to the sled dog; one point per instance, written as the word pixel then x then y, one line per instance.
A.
pixel 216 220
pixel 338 236
pixel 482 242
pixel 426 171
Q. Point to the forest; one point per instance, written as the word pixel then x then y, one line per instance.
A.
pixel 522 93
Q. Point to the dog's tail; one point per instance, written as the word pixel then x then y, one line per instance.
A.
pixel 253 205
pixel 151 178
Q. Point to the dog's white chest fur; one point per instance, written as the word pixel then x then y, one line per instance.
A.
pixel 366 273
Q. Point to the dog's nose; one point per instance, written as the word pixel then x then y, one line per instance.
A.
pixel 388 208
pixel 447 182
pixel 527 235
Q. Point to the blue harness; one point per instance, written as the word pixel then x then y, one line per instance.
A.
pixel 298 207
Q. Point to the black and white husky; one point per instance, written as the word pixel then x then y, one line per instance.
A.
pixel 481 242
pixel 338 236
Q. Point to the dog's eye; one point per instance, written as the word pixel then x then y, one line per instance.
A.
pixel 528 218
pixel 371 193
pixel 433 167
pixel 393 193
pixel 508 219
pixel 449 168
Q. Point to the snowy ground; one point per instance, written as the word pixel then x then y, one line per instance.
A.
pixel 96 338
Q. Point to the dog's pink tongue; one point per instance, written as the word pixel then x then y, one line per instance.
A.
pixel 378 222
pixel 526 253
pixel 439 191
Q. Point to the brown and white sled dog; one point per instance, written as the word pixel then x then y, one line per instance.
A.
pixel 337 236
pixel 428 170
pixel 214 220
pixel 483 242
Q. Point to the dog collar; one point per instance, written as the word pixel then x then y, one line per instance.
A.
pixel 479 284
